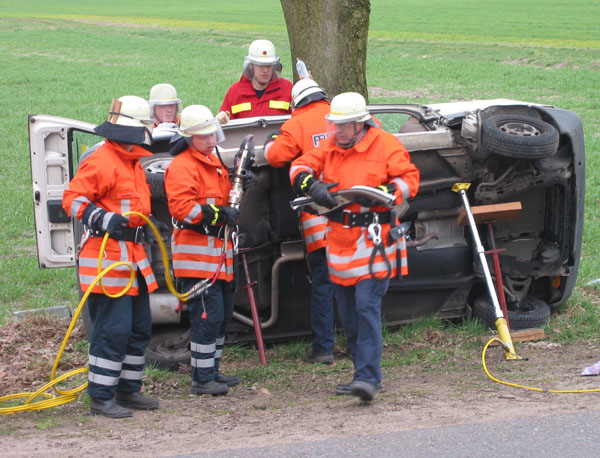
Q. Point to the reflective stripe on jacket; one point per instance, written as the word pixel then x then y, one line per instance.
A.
pixel 379 158
pixel 113 179
pixel 191 180
pixel 241 100
pixel 301 133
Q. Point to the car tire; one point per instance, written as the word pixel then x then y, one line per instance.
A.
pixel 519 137
pixel 160 355
pixel 155 167
pixel 532 313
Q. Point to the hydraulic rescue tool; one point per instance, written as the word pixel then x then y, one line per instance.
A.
pixel 501 326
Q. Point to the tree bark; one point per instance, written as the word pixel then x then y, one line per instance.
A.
pixel 330 36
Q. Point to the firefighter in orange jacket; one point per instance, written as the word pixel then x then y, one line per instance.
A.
pixel 260 91
pixel 299 134
pixel 108 184
pixel 360 256
pixel 197 186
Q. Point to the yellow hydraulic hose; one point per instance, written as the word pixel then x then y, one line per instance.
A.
pixel 523 386
pixel 50 400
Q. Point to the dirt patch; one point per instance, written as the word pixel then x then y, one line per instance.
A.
pixel 453 391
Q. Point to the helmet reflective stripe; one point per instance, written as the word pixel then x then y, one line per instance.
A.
pixel 347 107
pixel 305 88
pixel 130 110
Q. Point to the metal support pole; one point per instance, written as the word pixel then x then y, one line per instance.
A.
pixel 501 326
pixel 255 318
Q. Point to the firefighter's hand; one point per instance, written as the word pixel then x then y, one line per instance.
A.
pixel 318 191
pixel 223 117
pixel 100 220
pixel 219 214
pixel 163 228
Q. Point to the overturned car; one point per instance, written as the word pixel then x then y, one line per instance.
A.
pixel 509 152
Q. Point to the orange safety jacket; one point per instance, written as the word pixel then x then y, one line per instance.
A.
pixel 377 159
pixel 301 133
pixel 241 100
pixel 193 179
pixel 113 179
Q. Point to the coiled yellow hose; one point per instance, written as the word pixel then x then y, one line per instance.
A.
pixel 63 397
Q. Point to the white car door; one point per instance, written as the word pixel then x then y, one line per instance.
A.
pixel 55 147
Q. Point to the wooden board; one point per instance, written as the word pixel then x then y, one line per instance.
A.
pixel 491 213
pixel 522 335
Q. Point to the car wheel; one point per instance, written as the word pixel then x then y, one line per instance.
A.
pixel 531 313
pixel 519 137
pixel 167 350
pixel 155 167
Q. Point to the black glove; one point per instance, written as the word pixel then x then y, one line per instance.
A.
pixel 219 214
pixel 163 228
pixel 390 188
pixel 100 220
pixel 305 183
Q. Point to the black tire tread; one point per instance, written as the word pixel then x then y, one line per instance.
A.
pixel 536 317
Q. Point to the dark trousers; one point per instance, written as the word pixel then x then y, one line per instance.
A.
pixel 321 304
pixel 207 336
pixel 360 311
pixel 122 328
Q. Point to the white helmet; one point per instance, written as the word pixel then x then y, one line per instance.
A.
pixel 347 107
pixel 163 94
pixel 262 52
pixel 199 120
pixel 306 91
pixel 130 110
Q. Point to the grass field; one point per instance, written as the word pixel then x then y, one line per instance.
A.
pixel 70 58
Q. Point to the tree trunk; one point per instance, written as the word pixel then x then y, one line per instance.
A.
pixel 330 36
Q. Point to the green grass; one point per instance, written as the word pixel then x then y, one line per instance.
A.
pixel 70 58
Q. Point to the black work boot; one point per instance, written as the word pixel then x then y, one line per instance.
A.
pixel 108 408
pixel 344 389
pixel 211 387
pixel 323 358
pixel 229 380
pixel 364 390
pixel 136 401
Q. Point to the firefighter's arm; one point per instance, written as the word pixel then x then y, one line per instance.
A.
pixel 182 190
pixel 90 183
pixel 403 175
pixel 282 149
pixel 310 162
pixel 226 105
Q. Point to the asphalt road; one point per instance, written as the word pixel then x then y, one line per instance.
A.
pixel 565 435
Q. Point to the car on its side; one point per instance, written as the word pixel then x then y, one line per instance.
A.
pixel 509 152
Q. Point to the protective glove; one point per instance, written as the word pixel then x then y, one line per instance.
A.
pixel 100 220
pixel 390 188
pixel 223 117
pixel 305 183
pixel 163 228
pixel 213 215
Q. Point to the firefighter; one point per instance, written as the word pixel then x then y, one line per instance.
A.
pixel 299 134
pixel 108 183
pixel 260 91
pixel 164 104
pixel 360 256
pixel 197 186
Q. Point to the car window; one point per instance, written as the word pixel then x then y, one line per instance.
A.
pixel 82 145
pixel 392 122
